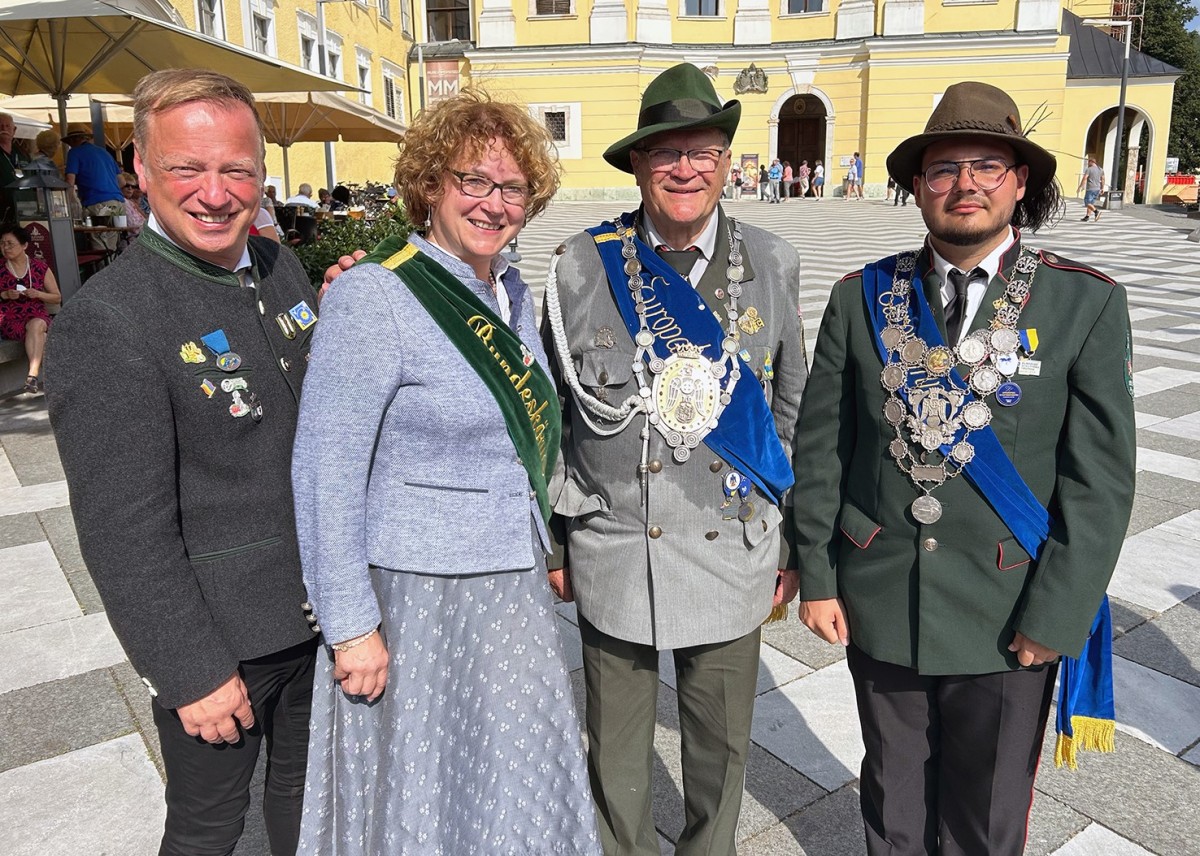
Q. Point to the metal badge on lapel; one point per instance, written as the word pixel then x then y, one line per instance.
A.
pixel 604 338
pixel 239 408
pixel 287 326
pixel 190 352
pixel 208 388
pixel 750 322
pixel 304 316
pixel 229 384
pixel 256 412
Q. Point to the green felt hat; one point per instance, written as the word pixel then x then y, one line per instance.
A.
pixel 681 98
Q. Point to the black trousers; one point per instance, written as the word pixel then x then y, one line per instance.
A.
pixel 950 759
pixel 208 785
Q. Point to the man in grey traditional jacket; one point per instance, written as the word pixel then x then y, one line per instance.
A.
pixel 676 337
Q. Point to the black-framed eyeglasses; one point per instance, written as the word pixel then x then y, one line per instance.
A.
pixel 478 187
pixel 987 173
pixel 662 159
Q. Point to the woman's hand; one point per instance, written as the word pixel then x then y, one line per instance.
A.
pixel 560 584
pixel 362 671
pixel 10 294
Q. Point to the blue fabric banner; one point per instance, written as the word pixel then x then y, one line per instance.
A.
pixel 745 433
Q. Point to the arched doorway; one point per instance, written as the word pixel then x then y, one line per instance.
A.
pixel 802 130
pixel 1125 164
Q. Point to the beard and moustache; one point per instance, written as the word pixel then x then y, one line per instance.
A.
pixel 964 235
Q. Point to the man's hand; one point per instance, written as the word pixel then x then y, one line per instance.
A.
pixel 787 586
pixel 1030 653
pixel 560 584
pixel 362 671
pixel 826 618
pixel 344 263
pixel 215 717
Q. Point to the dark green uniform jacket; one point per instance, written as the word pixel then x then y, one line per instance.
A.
pixel 946 598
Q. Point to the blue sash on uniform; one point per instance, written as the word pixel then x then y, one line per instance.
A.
pixel 745 434
pixel 1085 702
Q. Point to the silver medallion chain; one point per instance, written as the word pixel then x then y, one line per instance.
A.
pixel 930 413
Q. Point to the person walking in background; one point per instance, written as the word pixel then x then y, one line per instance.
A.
pixel 775 175
pixel 446 612
pixel 1091 184
pixel 735 178
pixel 764 193
pixel 804 178
pixel 786 185
pixel 819 180
pixel 997 378
pixel 859 174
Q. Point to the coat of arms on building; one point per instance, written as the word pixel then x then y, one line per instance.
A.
pixel 752 79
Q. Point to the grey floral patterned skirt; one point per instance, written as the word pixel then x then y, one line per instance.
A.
pixel 474 747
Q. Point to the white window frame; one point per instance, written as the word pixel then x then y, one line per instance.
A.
pixel 717 16
pixel 406 26
pixel 572 147
pixel 362 74
pixel 393 76
pixel 385 10
pixel 824 10
pixel 334 47
pixel 264 9
pixel 306 28
pixel 534 13
pixel 218 19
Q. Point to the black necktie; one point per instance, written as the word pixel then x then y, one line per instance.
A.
pixel 681 260
pixel 956 309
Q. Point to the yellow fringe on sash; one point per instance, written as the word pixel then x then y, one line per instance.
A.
pixel 1091 735
pixel 779 613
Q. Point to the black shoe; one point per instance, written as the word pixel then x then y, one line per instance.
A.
pixel 1085 218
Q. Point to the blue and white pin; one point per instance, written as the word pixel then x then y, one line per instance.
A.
pixel 303 315
pixel 218 343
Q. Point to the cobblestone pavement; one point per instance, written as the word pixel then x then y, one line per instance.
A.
pixel 79 766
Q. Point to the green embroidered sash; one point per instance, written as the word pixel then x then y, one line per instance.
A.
pixel 525 394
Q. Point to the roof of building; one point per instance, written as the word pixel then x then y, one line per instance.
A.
pixel 1094 53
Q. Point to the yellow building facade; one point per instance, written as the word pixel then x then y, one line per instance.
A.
pixel 818 79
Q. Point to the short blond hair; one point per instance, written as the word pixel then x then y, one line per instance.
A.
pixel 47 142
pixel 160 91
pixel 460 128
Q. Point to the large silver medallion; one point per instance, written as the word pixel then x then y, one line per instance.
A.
pixel 926 509
pixel 686 395
pixel 972 350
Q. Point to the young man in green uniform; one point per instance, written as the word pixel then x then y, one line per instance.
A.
pixel 965 467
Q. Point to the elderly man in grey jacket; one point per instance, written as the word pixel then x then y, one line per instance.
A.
pixel 676 338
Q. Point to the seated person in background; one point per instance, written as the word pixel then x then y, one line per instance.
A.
pixel 323 199
pixel 26 287
pixel 339 198
pixel 304 197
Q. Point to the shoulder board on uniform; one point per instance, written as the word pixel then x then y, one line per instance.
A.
pixel 1059 263
pixel 852 275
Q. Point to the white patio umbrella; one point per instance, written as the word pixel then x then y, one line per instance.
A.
pixel 58 47
pixel 314 117
pixel 117 111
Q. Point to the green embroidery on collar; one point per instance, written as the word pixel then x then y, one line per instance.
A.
pixel 159 245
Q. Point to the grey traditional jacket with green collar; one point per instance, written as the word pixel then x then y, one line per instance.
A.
pixel 184 510
pixel 675 572
pixel 946 598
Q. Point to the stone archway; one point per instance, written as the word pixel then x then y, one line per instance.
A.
pixel 802 130
pixel 1100 142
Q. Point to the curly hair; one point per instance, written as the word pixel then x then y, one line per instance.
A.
pixel 458 130
pixel 1045 208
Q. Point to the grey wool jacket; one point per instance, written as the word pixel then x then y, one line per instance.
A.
pixel 184 509
pixel 680 570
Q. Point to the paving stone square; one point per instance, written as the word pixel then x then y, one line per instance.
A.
pixel 80 770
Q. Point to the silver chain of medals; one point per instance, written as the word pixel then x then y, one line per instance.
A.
pixel 685 397
pixel 934 414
